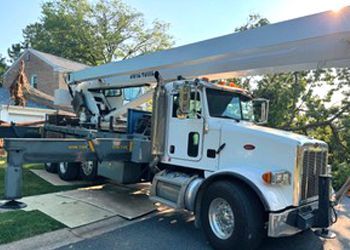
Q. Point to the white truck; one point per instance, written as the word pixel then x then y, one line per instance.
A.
pixel 202 146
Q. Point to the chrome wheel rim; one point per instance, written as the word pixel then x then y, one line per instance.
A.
pixel 63 167
pixel 221 218
pixel 87 167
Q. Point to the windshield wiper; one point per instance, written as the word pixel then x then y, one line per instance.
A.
pixel 229 117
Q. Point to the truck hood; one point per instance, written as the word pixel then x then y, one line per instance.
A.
pixel 251 150
pixel 270 133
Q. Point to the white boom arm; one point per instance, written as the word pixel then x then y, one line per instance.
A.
pixel 131 105
pixel 317 41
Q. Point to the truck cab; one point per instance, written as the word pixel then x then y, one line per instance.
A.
pixel 196 122
pixel 214 142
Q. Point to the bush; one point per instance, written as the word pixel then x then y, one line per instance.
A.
pixel 340 172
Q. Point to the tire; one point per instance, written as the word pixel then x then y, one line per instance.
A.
pixel 231 200
pixel 88 170
pixel 51 167
pixel 68 171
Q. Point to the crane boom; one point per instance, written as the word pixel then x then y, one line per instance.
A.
pixel 315 41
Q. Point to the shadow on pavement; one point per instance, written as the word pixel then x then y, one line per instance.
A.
pixel 175 230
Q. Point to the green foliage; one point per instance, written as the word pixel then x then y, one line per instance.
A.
pixel 3 68
pixel 254 21
pixel 95 32
pixel 340 172
pixel 303 102
pixel 15 51
pixel 16 225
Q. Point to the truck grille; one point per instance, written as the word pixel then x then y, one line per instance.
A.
pixel 313 165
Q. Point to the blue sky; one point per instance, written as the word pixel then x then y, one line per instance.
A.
pixel 191 20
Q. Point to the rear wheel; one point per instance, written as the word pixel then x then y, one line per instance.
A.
pixel 68 170
pixel 232 217
pixel 88 170
pixel 51 167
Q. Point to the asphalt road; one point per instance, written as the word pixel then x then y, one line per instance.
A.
pixel 175 230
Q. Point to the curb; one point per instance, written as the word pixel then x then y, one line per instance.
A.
pixel 66 236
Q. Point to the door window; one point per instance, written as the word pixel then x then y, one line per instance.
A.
pixel 195 106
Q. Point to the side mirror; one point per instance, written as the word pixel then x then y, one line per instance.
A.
pixel 261 110
pixel 184 101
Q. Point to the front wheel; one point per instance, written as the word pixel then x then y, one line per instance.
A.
pixel 232 217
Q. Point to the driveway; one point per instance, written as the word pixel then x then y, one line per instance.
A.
pixel 175 230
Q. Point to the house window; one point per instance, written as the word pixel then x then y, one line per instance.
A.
pixel 34 81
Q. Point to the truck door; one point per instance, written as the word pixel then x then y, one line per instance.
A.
pixel 185 134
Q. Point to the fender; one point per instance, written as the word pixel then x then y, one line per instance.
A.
pixel 233 176
pixel 273 197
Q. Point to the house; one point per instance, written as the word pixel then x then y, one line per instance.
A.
pixel 45 73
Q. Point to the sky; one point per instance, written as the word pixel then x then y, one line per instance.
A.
pixel 190 20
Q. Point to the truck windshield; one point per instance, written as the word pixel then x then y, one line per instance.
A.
pixel 225 104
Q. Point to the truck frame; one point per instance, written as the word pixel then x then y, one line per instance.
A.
pixel 202 146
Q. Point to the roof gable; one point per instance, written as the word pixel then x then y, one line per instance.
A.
pixel 57 63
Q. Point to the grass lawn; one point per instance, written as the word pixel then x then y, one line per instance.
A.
pixel 16 225
pixel 32 184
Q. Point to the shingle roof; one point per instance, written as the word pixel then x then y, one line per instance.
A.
pixel 59 63
pixel 5 100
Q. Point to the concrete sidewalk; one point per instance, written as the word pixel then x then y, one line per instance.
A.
pixel 55 180
pixel 76 208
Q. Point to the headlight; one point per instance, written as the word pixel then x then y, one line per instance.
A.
pixel 277 177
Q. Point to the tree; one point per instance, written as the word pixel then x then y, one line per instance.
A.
pixel 303 102
pixel 95 33
pixel 15 51
pixel 3 68
pixel 254 21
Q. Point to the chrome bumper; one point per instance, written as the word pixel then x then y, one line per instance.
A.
pixel 292 221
